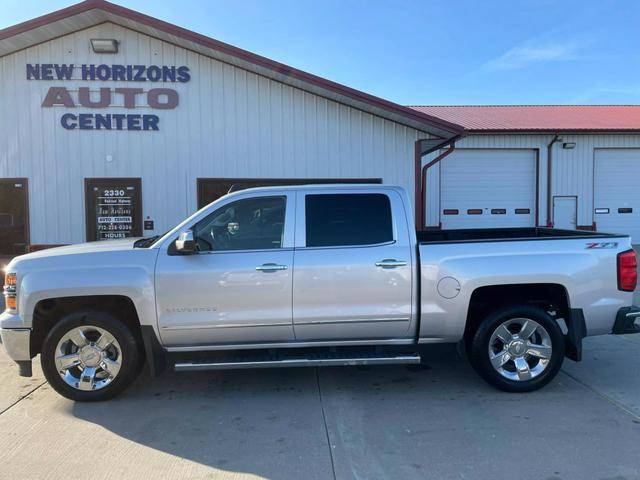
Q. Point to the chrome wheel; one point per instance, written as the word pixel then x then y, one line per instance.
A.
pixel 88 358
pixel 520 349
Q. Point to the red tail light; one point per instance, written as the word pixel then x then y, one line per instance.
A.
pixel 627 271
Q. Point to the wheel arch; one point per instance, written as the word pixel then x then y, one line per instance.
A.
pixel 48 311
pixel 549 296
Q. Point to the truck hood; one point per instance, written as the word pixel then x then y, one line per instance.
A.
pixel 77 249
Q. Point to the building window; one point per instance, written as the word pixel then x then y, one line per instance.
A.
pixel 113 208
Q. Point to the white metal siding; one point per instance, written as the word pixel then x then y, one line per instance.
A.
pixel 489 181
pixel 572 173
pixel 230 123
pixel 617 173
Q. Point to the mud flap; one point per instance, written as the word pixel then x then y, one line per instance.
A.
pixel 154 353
pixel 576 331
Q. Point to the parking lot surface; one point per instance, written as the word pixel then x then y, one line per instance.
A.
pixel 438 421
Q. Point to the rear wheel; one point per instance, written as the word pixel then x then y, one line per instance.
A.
pixel 90 356
pixel 518 349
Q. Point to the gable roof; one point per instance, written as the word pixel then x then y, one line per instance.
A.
pixel 93 12
pixel 539 118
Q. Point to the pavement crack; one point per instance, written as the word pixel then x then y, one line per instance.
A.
pixel 22 397
pixel 324 420
pixel 604 396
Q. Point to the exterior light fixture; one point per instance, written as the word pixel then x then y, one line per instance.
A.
pixel 104 45
pixel 569 145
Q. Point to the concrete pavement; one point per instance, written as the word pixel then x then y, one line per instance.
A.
pixel 440 421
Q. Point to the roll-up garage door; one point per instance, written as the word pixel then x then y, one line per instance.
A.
pixel 488 188
pixel 617 191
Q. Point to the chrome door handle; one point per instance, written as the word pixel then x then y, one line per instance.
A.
pixel 390 263
pixel 270 267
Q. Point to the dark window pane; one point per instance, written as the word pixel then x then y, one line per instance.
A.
pixel 523 211
pixel 625 210
pixel 450 211
pixel 348 219
pixel 249 224
pixel 113 208
pixel 474 211
pixel 498 211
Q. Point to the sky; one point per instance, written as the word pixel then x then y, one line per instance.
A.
pixel 429 52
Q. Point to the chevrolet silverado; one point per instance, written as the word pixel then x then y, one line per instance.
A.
pixel 314 276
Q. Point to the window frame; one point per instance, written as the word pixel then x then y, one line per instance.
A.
pixel 301 217
pixel 271 197
pixel 191 222
pixel 91 232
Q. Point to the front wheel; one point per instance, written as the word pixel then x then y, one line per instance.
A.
pixel 90 356
pixel 518 349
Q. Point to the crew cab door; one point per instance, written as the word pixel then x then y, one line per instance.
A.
pixel 353 266
pixel 237 288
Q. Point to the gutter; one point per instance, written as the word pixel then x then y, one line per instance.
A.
pixel 555 138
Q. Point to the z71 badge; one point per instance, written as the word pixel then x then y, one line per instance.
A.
pixel 602 245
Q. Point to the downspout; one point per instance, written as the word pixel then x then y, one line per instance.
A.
pixel 555 138
pixel 417 185
pixel 421 177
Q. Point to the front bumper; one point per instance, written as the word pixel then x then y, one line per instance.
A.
pixel 16 339
pixel 16 342
pixel 627 321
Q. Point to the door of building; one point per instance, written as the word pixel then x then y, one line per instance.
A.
pixel 565 212
pixel 617 197
pixel 488 188
pixel 113 208
pixel 14 216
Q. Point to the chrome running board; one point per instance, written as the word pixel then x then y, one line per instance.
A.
pixel 299 362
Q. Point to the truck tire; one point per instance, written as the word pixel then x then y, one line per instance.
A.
pixel 518 348
pixel 90 356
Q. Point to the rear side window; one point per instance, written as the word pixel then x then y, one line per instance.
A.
pixel 348 219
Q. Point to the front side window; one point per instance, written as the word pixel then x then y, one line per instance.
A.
pixel 348 219
pixel 248 224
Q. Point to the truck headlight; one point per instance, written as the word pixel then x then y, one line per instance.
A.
pixel 10 297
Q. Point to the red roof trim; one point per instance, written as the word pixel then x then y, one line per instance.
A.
pixel 540 118
pixel 233 51
pixel 553 130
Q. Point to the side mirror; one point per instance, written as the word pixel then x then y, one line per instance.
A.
pixel 185 243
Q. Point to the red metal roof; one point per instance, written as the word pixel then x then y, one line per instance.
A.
pixel 539 118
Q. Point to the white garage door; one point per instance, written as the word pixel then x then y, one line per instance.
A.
pixel 486 188
pixel 617 191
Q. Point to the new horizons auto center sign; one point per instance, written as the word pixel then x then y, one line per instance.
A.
pixel 105 97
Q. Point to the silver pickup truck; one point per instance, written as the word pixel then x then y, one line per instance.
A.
pixel 313 276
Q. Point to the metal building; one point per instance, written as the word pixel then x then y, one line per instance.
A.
pixel 114 123
pixel 560 166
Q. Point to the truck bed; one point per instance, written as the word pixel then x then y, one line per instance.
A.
pixel 506 234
